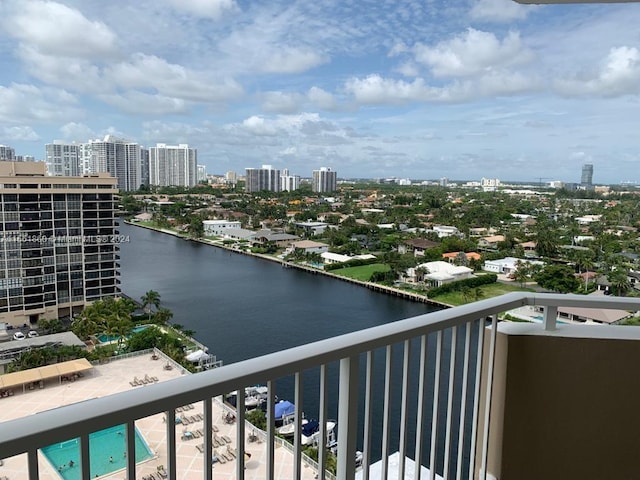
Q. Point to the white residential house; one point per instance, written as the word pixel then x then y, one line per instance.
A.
pixel 507 265
pixel 588 219
pixel 440 273
pixel 218 227
pixel 330 257
pixel 312 228
pixel 445 231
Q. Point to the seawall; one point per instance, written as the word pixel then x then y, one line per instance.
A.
pixel 415 297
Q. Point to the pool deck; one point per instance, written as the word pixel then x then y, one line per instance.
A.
pixel 114 377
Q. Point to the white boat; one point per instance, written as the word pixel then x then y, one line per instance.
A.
pixel 289 428
pixel 311 433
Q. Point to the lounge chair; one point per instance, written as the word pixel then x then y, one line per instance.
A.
pixel 220 458
pixel 155 379
pixel 226 439
pixel 178 409
pixel 228 458
pixel 162 472
pixel 231 451
pixel 200 448
pixel 215 428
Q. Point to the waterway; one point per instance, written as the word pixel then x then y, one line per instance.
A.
pixel 242 307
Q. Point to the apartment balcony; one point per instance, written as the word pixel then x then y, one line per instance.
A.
pixel 466 395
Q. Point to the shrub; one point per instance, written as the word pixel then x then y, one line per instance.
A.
pixel 460 284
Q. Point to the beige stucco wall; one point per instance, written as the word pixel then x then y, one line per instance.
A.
pixel 565 408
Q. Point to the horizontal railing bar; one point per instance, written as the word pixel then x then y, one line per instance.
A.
pixel 82 418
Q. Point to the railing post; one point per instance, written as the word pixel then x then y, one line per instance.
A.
pixel 550 317
pixel 171 443
pixel 347 418
pixel 32 460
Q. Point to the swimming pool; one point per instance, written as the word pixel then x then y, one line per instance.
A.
pixel 106 451
pixel 104 338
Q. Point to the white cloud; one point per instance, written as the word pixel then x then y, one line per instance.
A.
pixel 377 90
pixel 471 53
pixel 499 10
pixel 213 9
pixel 145 104
pixel 279 102
pixel 21 103
pixel 322 99
pixel 77 132
pixel 55 29
pixel 618 75
pixel 76 74
pixel 259 126
pixel 22 133
pixel 292 60
pixel 172 80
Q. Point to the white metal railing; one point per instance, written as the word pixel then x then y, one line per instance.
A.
pixel 440 373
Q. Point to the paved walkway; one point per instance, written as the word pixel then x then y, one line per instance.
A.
pixel 115 377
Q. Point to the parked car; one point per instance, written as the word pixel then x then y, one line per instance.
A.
pixel 19 336
pixel 32 333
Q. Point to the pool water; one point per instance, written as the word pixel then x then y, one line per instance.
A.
pixel 106 453
pixel 104 338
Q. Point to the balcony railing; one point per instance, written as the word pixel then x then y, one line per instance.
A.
pixel 439 403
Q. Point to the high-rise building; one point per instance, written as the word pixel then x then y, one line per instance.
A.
pixel 324 180
pixel 231 177
pixel 7 153
pixel 173 165
pixel 63 159
pixel 265 178
pixel 586 180
pixel 118 157
pixel 59 242
pixel 202 173
pixel 289 183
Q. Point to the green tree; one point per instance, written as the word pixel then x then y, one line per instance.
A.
pixel 558 278
pixel 151 298
pixel 619 280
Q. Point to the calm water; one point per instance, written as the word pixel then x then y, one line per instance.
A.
pixel 242 307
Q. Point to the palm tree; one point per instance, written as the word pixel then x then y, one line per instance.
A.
pixel 163 315
pixel 478 294
pixel 150 298
pixel 619 281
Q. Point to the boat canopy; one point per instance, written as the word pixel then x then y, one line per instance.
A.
pixel 196 356
pixel 284 408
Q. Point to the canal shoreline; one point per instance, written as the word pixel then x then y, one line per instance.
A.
pixel 414 297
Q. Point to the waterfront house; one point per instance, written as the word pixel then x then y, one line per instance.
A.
pixel 308 246
pixel 417 246
pixel 452 256
pixel 507 265
pixel 438 273
pixel 219 227
pixel 281 240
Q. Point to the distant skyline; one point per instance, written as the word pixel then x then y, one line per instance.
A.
pixel 417 89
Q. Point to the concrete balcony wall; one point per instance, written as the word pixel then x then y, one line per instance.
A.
pixel 565 403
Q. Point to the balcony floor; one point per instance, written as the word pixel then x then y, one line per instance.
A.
pixel 114 377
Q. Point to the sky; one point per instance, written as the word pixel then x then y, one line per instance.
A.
pixel 418 89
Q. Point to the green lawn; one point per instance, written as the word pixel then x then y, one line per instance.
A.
pixel 363 272
pixel 488 291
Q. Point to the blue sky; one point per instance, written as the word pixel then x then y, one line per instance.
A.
pixel 415 89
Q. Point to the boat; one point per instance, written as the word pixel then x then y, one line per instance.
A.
pixel 288 429
pixel 311 433
pixel 254 396
pixel 282 410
